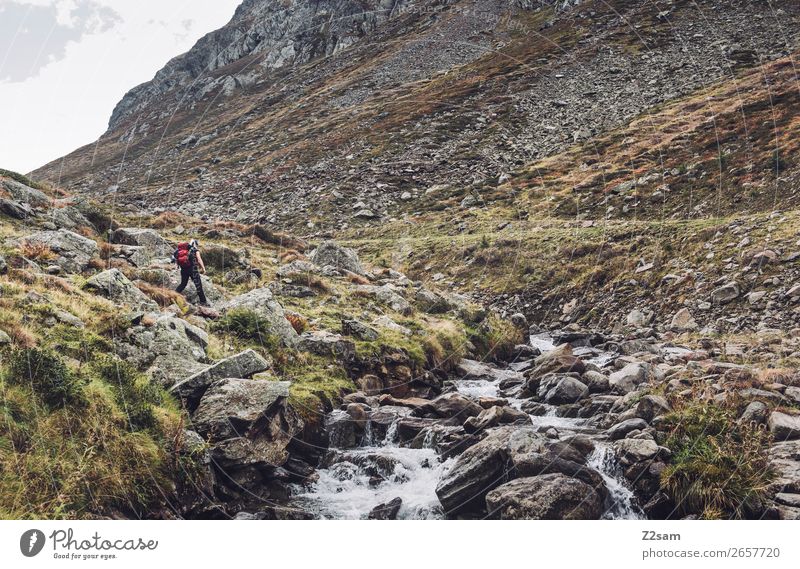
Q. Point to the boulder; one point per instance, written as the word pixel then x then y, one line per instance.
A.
pixel 243 365
pixel 561 389
pixel 628 378
pixel 651 406
pixel 485 466
pixel 784 460
pixel 112 284
pixel 784 427
pixel 247 422
pixel 631 451
pixel 332 254
pixel 620 430
pixel 171 349
pixel 15 209
pixel 74 251
pixel 452 405
pixel 559 360
pixel 25 194
pixel 547 497
pixel 324 343
pixel 725 294
pixel 149 240
pixel 430 302
pixel 494 416
pixel 755 412
pixel 386 511
pixel 262 303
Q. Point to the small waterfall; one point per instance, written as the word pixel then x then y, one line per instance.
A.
pixel 621 502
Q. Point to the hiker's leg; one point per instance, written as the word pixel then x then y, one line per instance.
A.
pixel 198 284
pixel 184 280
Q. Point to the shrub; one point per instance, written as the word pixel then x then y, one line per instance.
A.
pixel 280 239
pixel 247 325
pixel 37 251
pixel 133 392
pixel 495 339
pixel 720 467
pixel 47 375
pixel 298 322
pixel 163 296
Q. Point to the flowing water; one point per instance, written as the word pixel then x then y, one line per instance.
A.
pixel 357 480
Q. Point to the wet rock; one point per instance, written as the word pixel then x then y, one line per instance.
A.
pixel 262 303
pixel 452 405
pixel 332 254
pixel 247 422
pixel 651 406
pixel 547 497
pixel 559 390
pixel 485 466
pixel 112 284
pixel 386 511
pixel 628 378
pixel 341 430
pixel 620 430
pixel 494 416
pixel 595 381
pixel 784 427
pixel 243 365
pixel 559 360
pixel 635 450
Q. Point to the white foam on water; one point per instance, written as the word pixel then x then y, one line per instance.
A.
pixel 621 502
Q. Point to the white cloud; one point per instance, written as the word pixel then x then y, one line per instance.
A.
pixel 70 100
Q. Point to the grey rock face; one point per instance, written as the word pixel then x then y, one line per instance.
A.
pixel 626 379
pixel 325 343
pixel 153 245
pixel 331 254
pixel 784 427
pixel 558 390
pixel 244 365
pixel 359 330
pixel 725 294
pixel 386 296
pixel 74 251
pixel 547 497
pixel 247 422
pixel 115 286
pixel 262 303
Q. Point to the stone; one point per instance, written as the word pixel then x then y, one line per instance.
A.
pixel 792 393
pixel 494 416
pixel 324 343
pixel 15 209
pixel 756 412
pixel 247 422
pixel 784 427
pixel 559 360
pixel 430 302
pixel 112 284
pixel 628 378
pixel 451 405
pixel 359 330
pixel 784 459
pixel 149 239
pixel 546 497
pixel 620 430
pixel 683 321
pixel 484 466
pixel 636 319
pixel 263 303
pixel 74 251
pixel 725 294
pixel 651 406
pixel 332 254
pixel 386 511
pixel 631 451
pixel 387 323
pixel 5 339
pixel 559 390
pixel 3 265
pixel 243 365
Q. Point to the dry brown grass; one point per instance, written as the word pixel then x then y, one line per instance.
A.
pixel 786 376
pixel 276 238
pixel 357 279
pixel 291 255
pixel 163 296
pixel 298 322
pixel 37 251
pixel 59 283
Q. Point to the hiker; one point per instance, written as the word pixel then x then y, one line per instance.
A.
pixel 187 257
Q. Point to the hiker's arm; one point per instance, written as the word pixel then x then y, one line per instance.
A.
pixel 201 263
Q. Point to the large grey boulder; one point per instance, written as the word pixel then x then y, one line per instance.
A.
pixel 244 365
pixel 263 303
pixel 485 466
pixel 247 422
pixel 332 254
pixel 112 284
pixel 15 209
pixel 547 497
pixel 620 430
pixel 784 427
pixel 169 348
pixel 628 378
pixel 561 389
pixel 328 344
pixel 74 251
pixel 726 293
pixel 452 405
pixel 631 451
pixel 67 217
pixel 25 194
pixel 149 239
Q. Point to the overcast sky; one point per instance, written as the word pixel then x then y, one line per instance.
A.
pixel 64 65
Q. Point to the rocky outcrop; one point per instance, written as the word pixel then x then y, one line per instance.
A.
pixel 73 251
pixel 547 497
pixel 331 254
pixel 115 286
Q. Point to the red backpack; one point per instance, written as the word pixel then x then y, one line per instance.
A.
pixel 184 256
